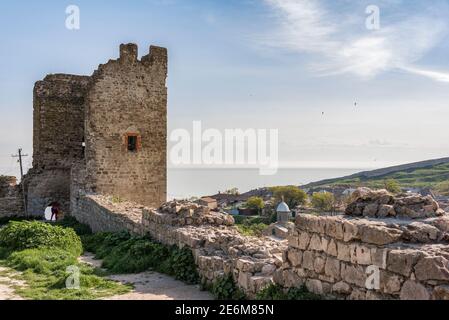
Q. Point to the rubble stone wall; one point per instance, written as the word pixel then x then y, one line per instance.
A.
pixel 338 257
pixel 358 258
pixel 218 248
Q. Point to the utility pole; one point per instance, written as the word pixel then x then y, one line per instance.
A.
pixel 20 156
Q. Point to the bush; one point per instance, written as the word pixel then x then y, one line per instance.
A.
pixel 276 292
pixel 226 289
pixel 255 203
pixel 324 201
pixel 392 186
pixel 183 265
pixel 80 228
pixel 253 230
pixel 23 235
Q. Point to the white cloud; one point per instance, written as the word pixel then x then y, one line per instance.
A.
pixel 340 43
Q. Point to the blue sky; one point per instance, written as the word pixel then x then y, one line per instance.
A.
pixel 255 64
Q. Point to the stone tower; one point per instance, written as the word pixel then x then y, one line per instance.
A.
pixel 126 127
pixel 104 134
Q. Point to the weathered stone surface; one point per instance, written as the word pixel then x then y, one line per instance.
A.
pixel 379 235
pixel 314 286
pixel 304 240
pixel 308 260
pixel 360 254
pixel 341 288
pixel 332 248
pixel 319 264
pixel 432 268
pixel 334 228
pixel 441 293
pixel 402 261
pixel 351 231
pixel 412 290
pixel 344 252
pixel 315 243
pixel 353 274
pixel 332 268
pixel 390 283
pixel 295 257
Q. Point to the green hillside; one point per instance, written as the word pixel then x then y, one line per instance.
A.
pixel 434 176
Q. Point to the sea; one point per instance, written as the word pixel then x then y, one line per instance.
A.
pixel 184 183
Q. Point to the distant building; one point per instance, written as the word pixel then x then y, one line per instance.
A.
pixel 208 202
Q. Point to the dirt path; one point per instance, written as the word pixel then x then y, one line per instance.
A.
pixel 152 286
pixel 7 284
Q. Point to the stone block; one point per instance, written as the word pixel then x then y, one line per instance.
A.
pixel 353 274
pixel 432 268
pixel 332 268
pixel 412 290
pixel 295 257
pixel 403 261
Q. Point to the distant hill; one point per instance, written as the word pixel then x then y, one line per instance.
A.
pixel 413 175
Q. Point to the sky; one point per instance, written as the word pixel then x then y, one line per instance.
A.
pixel 341 94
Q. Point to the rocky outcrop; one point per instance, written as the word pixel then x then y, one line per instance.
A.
pixel 382 204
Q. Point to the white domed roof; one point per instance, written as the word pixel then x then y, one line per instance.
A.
pixel 283 207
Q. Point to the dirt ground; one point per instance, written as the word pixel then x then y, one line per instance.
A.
pixel 152 286
pixel 147 285
pixel 7 286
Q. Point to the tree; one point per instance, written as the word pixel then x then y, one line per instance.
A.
pixel 255 203
pixel 392 186
pixel 324 201
pixel 233 191
pixel 292 195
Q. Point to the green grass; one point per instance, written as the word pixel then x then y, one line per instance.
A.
pixel 42 254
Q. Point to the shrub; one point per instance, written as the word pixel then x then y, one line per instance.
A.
pixel 253 230
pixel 182 264
pixel 323 201
pixel 276 292
pixel 226 289
pixel 71 222
pixel 23 235
pixel 392 186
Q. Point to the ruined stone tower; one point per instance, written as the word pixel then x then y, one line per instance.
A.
pixel 103 134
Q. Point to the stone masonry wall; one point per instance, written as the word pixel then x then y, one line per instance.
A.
pixel 218 248
pixel 58 129
pixel 338 257
pixel 128 97
pixel 11 201
pixel 335 256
